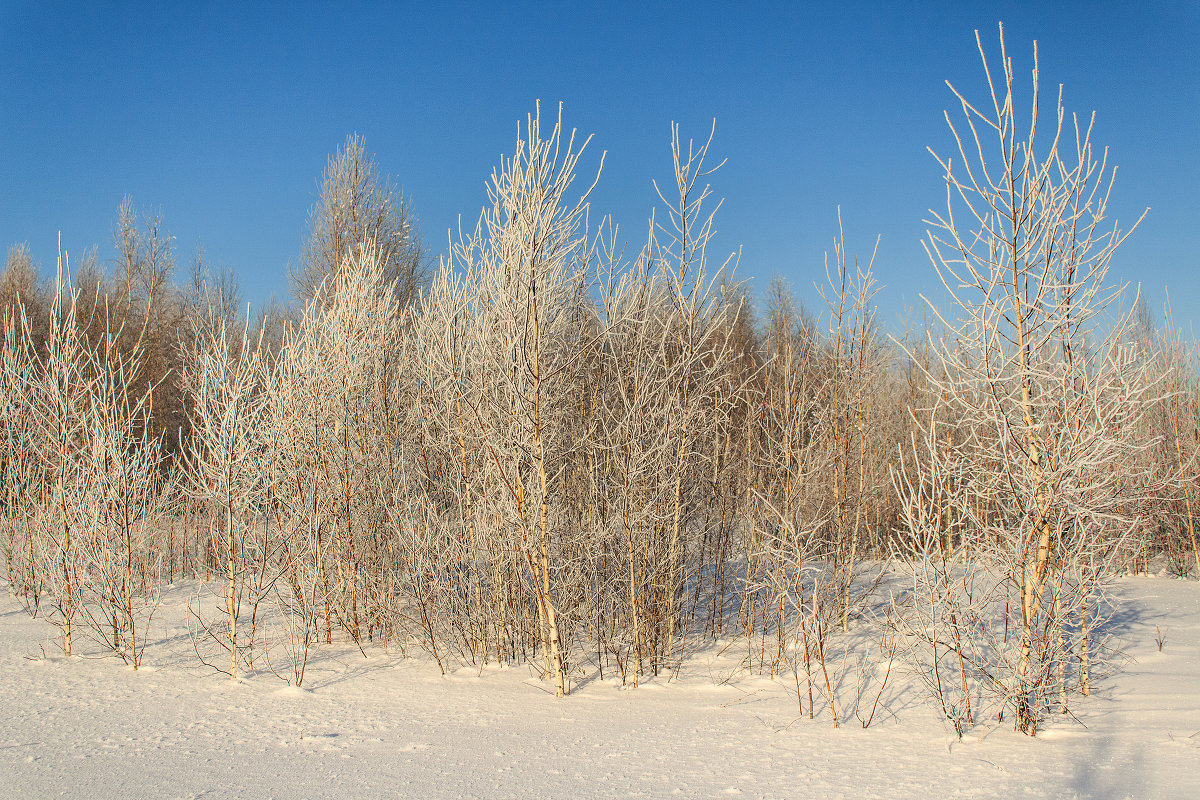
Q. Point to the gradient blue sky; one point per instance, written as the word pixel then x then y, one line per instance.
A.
pixel 221 117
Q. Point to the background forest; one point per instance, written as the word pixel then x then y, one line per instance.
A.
pixel 552 446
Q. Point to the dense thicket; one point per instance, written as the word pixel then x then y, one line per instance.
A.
pixel 545 452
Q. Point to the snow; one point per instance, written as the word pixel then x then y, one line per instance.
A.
pixel 384 726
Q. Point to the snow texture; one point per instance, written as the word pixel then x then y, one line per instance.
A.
pixel 384 726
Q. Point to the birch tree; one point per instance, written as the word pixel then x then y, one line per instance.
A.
pixel 529 256
pixel 357 208
pixel 20 473
pixel 227 462
pixel 59 386
pixel 118 498
pixel 1035 372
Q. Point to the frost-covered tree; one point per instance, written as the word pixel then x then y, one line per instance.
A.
pixel 528 261
pixel 227 467
pixel 1041 392
pixel 358 208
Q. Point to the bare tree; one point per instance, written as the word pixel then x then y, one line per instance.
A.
pixel 358 208
pixel 226 464
pixel 59 386
pixel 1038 381
pixel 21 475
pixel 854 380
pixel 530 255
pixel 21 283
pixel 117 500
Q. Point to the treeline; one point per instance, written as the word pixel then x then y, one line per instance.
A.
pixel 548 451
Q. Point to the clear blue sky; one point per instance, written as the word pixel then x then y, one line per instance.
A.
pixel 221 117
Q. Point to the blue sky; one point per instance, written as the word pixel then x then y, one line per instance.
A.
pixel 221 117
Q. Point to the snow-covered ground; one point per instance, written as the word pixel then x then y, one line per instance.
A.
pixel 387 727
